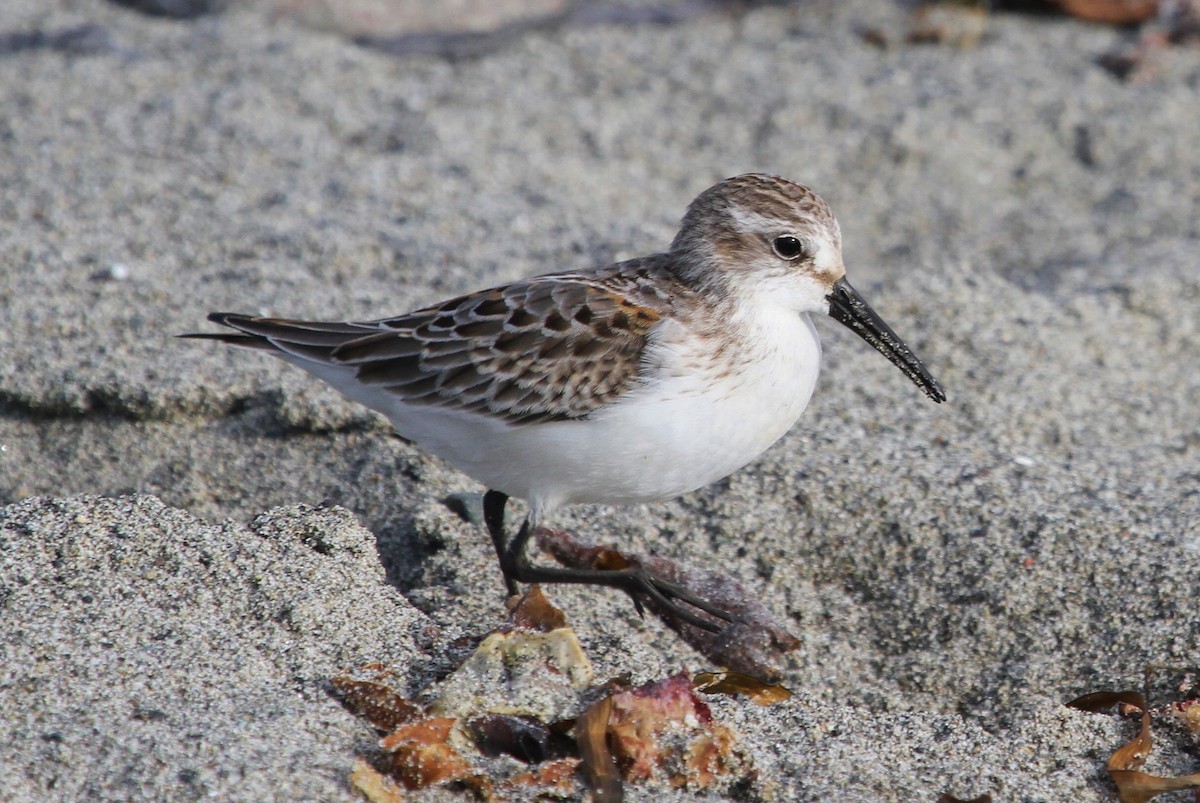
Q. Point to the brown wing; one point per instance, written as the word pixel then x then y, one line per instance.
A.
pixel 550 348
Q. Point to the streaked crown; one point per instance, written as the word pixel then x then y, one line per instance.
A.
pixel 761 223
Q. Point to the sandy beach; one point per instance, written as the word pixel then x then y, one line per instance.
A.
pixel 194 541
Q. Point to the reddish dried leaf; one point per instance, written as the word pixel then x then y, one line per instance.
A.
pixel 1137 787
pixel 754 645
pixel 1133 785
pixel 642 718
pixel 374 785
pixel 534 612
pixel 1133 755
pixel 1099 701
pixel 420 755
pixel 672 699
pixel 734 683
pixel 1111 12
pixel 660 729
pixel 375 702
pixel 946 797
pixel 632 732
pixel 556 776
pixel 591 734
pixel 708 757
pixel 433 730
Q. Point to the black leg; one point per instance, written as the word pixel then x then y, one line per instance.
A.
pixel 517 568
pixel 493 516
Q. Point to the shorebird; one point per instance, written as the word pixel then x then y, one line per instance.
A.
pixel 624 383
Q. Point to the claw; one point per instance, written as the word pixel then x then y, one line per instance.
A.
pixel 637 604
pixel 664 594
pixel 681 593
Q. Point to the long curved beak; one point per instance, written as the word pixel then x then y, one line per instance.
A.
pixel 849 308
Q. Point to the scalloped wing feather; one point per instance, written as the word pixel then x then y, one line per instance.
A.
pixel 554 347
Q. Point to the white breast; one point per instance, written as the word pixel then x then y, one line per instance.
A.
pixel 696 422
pixel 701 416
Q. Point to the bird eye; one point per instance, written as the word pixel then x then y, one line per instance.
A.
pixel 788 247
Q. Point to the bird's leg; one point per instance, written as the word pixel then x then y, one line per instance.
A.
pixel 516 568
pixel 493 516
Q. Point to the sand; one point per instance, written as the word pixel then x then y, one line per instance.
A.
pixel 195 540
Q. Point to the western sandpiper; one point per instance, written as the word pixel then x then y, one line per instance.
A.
pixel 625 383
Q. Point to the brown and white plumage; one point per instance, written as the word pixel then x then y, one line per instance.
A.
pixel 629 382
pixel 553 348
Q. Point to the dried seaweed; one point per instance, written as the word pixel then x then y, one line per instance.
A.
pixel 375 702
pixel 755 644
pixel 735 683
pixel 591 734
pixel 1124 765
pixel 661 729
pixel 470 734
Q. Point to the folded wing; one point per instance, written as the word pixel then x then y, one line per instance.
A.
pixel 553 348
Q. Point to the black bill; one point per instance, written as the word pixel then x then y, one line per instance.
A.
pixel 848 307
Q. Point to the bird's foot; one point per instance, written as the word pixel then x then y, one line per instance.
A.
pixel 668 596
pixel 636 581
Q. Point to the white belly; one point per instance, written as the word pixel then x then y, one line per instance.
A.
pixel 697 422
pixel 672 436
